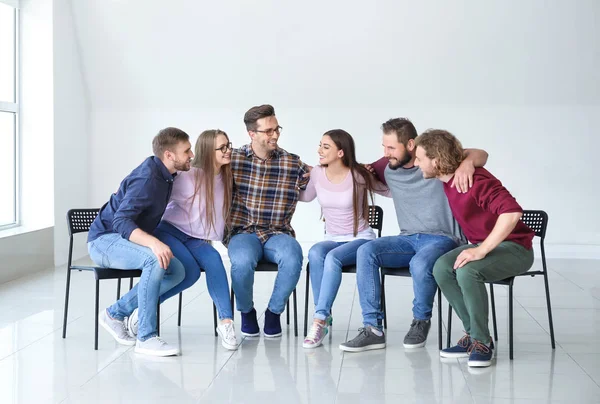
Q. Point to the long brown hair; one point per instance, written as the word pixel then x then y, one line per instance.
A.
pixel 205 160
pixel 344 142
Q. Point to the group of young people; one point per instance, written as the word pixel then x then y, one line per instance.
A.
pixel 170 209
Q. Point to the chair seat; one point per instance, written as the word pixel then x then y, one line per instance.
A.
pixel 403 271
pixel 349 269
pixel 508 281
pixel 265 266
pixel 111 273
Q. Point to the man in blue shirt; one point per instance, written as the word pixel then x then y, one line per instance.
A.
pixel 121 238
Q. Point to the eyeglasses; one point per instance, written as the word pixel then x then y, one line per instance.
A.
pixel 270 132
pixel 224 148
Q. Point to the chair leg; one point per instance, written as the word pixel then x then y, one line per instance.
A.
pixel 158 319
pixel 494 312
pixel 295 314
pixel 130 283
pixel 550 322
pixel 232 304
pixel 179 311
pixel 66 309
pixel 439 318
pixel 306 296
pixel 97 309
pixel 215 319
pixel 287 312
pixel 383 304
pixel 118 288
pixel 510 319
pixel 448 338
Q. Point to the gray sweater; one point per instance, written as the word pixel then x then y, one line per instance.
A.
pixel 421 204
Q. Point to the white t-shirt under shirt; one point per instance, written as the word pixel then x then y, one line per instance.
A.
pixel 337 204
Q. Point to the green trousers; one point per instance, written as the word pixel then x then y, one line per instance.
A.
pixel 465 287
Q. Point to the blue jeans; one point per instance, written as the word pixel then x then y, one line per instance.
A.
pixel 113 251
pixel 326 260
pixel 418 252
pixel 245 250
pixel 195 254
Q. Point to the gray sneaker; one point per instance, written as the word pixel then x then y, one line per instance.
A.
pixel 132 324
pixel 416 337
pixel 155 346
pixel 116 328
pixel 364 341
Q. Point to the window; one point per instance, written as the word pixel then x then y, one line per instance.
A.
pixel 9 110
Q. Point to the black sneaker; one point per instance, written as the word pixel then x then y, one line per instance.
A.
pixel 416 337
pixel 366 340
pixel 250 324
pixel 272 325
pixel 480 355
pixel 460 350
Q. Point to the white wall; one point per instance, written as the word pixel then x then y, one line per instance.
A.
pixel 519 79
pixel 71 130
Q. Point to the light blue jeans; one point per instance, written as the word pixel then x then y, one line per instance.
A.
pixel 245 250
pixel 326 260
pixel 419 252
pixel 113 251
pixel 195 254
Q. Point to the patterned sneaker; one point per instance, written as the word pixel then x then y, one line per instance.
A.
pixel 364 341
pixel 460 350
pixel 132 324
pixel 316 335
pixel 155 346
pixel 250 324
pixel 416 337
pixel 227 333
pixel 481 354
pixel 116 328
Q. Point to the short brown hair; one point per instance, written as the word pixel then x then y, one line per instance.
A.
pixel 167 139
pixel 256 113
pixel 444 147
pixel 402 127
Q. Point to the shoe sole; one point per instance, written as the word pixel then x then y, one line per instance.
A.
pixel 245 334
pixel 271 335
pixel 453 355
pixel 362 349
pixel 172 352
pixel 113 334
pixel 130 330
pixel 225 344
pixel 312 346
pixel 480 364
pixel 413 346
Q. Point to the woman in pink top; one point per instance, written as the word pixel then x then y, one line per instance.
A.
pixel 341 186
pixel 196 215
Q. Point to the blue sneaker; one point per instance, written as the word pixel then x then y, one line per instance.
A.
pixel 272 325
pixel 250 324
pixel 481 354
pixel 460 350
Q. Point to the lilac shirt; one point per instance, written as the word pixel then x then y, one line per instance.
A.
pixel 337 205
pixel 186 216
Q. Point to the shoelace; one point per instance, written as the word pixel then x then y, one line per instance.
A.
pixel 161 341
pixel 229 331
pixel 479 348
pixel 417 327
pixel 314 331
pixel 464 341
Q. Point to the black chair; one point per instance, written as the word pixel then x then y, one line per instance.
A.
pixel 537 220
pixel 79 221
pixel 265 266
pixel 376 222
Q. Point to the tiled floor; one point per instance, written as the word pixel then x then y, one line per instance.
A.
pixel 38 366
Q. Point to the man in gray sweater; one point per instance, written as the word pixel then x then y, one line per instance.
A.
pixel 427 231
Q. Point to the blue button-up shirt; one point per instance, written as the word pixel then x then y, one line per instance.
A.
pixel 139 203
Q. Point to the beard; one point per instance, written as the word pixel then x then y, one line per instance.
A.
pixel 182 166
pixel 400 163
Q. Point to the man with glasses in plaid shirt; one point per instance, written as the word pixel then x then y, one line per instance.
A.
pixel 267 181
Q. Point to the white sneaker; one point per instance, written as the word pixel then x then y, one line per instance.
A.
pixel 227 333
pixel 132 324
pixel 155 346
pixel 116 328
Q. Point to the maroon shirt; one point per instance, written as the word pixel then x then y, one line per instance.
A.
pixel 477 210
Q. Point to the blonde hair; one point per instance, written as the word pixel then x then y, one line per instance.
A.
pixel 442 146
pixel 205 160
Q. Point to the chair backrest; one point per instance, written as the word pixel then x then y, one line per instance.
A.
pixel 80 220
pixel 536 220
pixel 376 218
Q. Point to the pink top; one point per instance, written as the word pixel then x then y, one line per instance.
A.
pixel 190 217
pixel 337 206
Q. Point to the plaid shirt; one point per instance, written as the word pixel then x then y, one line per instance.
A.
pixel 265 192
